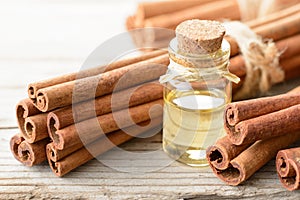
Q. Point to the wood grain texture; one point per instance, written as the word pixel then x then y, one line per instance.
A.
pixel 95 180
pixel 43 39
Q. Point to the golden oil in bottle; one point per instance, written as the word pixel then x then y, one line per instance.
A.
pixel 192 122
pixel 197 88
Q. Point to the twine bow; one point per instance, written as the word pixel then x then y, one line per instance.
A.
pixel 261 61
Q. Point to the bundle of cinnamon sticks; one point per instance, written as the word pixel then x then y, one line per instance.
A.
pixel 70 119
pixel 281 26
pixel 256 130
pixel 168 14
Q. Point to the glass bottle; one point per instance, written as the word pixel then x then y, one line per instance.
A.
pixel 197 88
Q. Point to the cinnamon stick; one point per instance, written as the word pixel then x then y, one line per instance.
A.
pixel 35 128
pixel 14 143
pixel 288 46
pixel 272 26
pixel 214 10
pixel 265 126
pixel 34 87
pixel 280 29
pixel 222 152
pixel 253 158
pixel 87 88
pixel 32 123
pixel 64 117
pixel 28 154
pixel 251 120
pixel 55 154
pixel 273 17
pixel 24 109
pixel 289 60
pixel 89 130
pixel 242 110
pixel 83 155
pixel 288 168
pixel 150 9
pixel 291 67
pixel 237 66
pixel 278 5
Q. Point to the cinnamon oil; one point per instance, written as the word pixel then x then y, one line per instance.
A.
pixel 192 122
pixel 197 86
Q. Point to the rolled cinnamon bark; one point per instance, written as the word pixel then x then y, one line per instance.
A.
pixel 242 110
pixel 265 126
pixel 35 128
pixel 273 17
pixel 94 128
pixel 268 27
pixel 288 168
pixel 156 32
pixel 279 5
pixel 280 29
pixel 62 94
pixel 102 105
pixel 288 46
pixel 14 143
pixel 222 152
pixel 34 87
pixel 55 154
pixel 291 67
pixel 83 155
pixel 210 11
pixel 28 154
pixel 32 123
pixel 150 9
pixel 253 158
pixel 24 109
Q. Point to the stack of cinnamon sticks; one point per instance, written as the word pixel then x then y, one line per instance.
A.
pixel 155 21
pixel 256 130
pixel 168 14
pixel 69 120
pixel 281 26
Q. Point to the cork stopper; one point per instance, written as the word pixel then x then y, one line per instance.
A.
pixel 199 36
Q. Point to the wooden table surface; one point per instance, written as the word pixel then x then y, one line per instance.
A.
pixel 40 39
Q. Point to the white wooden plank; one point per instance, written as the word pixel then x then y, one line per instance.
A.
pixel 169 192
pixel 176 180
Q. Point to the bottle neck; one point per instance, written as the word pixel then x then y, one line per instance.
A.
pixel 215 59
pixel 201 66
pixel 205 65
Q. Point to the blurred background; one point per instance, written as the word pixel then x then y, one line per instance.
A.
pixel 41 39
pixel 47 38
